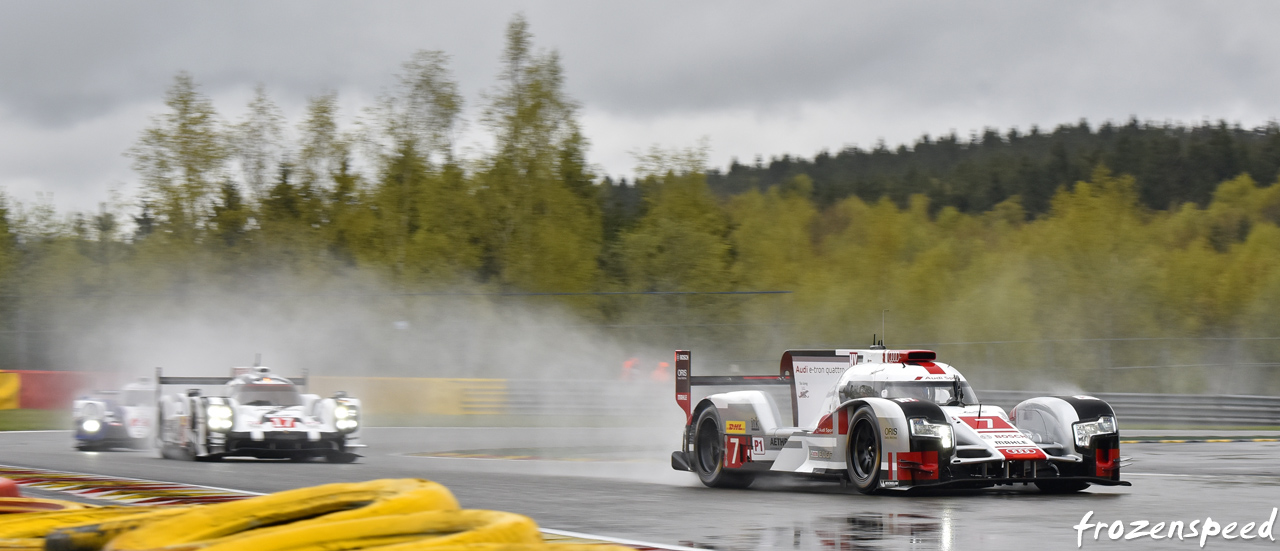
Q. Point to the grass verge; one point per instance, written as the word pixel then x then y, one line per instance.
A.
pixel 34 419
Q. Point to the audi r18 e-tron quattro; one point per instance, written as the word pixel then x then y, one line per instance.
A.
pixel 888 420
pixel 256 414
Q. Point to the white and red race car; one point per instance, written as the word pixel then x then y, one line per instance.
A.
pixel 259 414
pixel 888 420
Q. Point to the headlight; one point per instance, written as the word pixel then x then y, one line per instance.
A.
pixel 922 427
pixel 91 425
pixel 346 417
pixel 1085 431
pixel 220 417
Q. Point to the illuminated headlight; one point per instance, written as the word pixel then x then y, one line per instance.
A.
pixel 343 412
pixel 347 424
pixel 220 417
pixel 92 425
pixel 922 427
pixel 1085 431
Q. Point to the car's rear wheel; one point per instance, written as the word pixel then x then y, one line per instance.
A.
pixel 863 453
pixel 708 454
pixel 176 451
pixel 1061 486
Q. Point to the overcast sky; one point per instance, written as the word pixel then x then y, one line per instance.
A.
pixel 80 79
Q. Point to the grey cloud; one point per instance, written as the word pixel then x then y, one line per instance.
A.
pixel 640 59
pixel 67 64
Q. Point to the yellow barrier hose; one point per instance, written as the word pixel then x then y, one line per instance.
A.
pixel 21 505
pixel 383 515
pixel 224 519
pixel 37 525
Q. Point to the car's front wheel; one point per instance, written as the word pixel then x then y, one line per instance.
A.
pixel 708 454
pixel 862 456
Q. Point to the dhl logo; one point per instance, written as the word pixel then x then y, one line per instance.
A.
pixel 735 427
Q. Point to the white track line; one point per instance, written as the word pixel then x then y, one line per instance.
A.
pixel 619 541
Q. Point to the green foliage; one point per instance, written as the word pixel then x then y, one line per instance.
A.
pixel 181 158
pixel 543 221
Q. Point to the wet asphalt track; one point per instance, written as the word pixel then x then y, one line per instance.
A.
pixel 619 483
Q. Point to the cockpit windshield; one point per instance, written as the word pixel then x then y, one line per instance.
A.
pixel 266 395
pixel 938 392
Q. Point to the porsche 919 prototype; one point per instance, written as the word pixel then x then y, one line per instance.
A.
pixel 889 420
pixel 257 414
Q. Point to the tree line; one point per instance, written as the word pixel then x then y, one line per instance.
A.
pixel 1057 250
pixel 1172 163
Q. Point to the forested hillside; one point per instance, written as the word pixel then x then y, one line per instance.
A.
pixel 1172 164
pixel 1127 257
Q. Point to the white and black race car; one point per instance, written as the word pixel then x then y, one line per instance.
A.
pixel 889 420
pixel 258 414
pixel 110 419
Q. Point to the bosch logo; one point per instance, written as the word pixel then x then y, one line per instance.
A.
pixel 682 357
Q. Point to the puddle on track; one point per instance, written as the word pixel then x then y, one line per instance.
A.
pixel 840 533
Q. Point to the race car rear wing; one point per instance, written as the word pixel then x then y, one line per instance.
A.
pixel 161 380
pixel 685 381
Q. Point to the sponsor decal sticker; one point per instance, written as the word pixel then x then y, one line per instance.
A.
pixel 987 423
pixel 735 451
pixel 757 446
pixel 735 427
pixel 820 453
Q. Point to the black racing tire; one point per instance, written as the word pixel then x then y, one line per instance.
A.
pixel 708 454
pixel 168 451
pixel 341 458
pixel 1061 486
pixel 862 455
pixel 174 451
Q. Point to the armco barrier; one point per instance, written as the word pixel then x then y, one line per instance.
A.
pixel 1170 409
pixel 602 398
pixel 525 397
